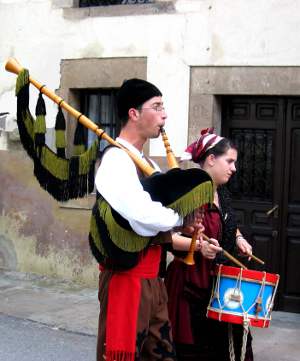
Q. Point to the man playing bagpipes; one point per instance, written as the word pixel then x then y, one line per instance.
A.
pixel 133 321
pixel 133 318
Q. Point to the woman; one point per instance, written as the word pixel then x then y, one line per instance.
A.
pixel 189 287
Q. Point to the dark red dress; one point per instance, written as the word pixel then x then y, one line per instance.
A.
pixel 189 289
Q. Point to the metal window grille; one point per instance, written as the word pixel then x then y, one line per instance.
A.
pixel 254 176
pixel 87 3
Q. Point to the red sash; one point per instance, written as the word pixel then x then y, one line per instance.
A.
pixel 124 295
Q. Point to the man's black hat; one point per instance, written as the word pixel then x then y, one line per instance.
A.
pixel 133 93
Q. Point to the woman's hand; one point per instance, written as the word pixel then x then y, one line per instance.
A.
pixel 210 249
pixel 243 246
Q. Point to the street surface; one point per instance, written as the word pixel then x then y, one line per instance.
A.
pixel 23 340
pixel 44 319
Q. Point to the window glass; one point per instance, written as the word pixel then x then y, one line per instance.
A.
pixel 100 106
pixel 87 3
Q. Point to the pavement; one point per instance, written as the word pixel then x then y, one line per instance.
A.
pixel 68 306
pixel 57 303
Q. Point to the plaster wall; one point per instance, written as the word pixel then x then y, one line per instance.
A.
pixel 172 37
pixel 38 234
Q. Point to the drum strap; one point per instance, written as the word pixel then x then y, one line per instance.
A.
pixel 244 343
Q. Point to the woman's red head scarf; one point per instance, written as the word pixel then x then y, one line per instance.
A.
pixel 206 141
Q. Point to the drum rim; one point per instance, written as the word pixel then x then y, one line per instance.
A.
pixel 230 317
pixel 247 275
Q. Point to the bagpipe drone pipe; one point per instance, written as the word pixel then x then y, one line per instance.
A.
pixel 111 238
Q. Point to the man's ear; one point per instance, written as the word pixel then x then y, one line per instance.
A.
pixel 133 113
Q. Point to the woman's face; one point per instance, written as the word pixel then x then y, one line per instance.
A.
pixel 221 167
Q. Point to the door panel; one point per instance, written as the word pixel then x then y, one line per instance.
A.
pixel 257 228
pixel 254 124
pixel 266 188
pixel 290 224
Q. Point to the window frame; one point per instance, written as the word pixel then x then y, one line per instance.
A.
pixel 94 73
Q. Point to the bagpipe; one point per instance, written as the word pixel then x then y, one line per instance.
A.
pixel 111 238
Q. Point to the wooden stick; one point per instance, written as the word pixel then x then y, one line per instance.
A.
pixel 256 258
pixel 233 259
pixel 226 254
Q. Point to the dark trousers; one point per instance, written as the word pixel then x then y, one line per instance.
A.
pixel 154 338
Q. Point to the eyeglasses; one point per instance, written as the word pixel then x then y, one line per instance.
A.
pixel 157 108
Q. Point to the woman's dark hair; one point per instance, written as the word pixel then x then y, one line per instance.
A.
pixel 219 149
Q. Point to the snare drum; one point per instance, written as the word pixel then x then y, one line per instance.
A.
pixel 240 295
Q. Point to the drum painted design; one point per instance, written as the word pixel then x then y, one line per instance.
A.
pixel 241 295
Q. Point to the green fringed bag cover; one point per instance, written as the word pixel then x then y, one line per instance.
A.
pixel 112 240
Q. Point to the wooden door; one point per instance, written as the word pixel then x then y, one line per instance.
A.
pixel 290 222
pixel 266 193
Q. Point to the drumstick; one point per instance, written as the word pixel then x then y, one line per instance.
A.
pixel 255 258
pixel 226 254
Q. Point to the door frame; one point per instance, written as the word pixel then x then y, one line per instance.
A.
pixel 209 83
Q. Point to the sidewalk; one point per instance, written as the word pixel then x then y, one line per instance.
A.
pixel 59 304
pixel 63 305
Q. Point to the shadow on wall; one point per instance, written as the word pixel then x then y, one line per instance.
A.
pixel 8 258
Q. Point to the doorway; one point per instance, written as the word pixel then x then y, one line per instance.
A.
pixel 266 188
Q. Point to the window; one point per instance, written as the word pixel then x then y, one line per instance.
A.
pixel 87 3
pixel 100 106
pixel 95 76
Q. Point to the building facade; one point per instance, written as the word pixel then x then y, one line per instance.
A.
pixel 222 63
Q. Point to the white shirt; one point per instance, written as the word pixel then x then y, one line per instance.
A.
pixel 117 181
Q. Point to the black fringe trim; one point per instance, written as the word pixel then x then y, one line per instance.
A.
pixel 95 252
pixel 57 188
pixel 62 190
pixel 61 152
pixel 77 185
pixel 116 259
pixel 60 123
pixel 22 106
pixel 39 137
pixel 91 177
pixel 40 106
pixel 79 137
pixel 39 142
